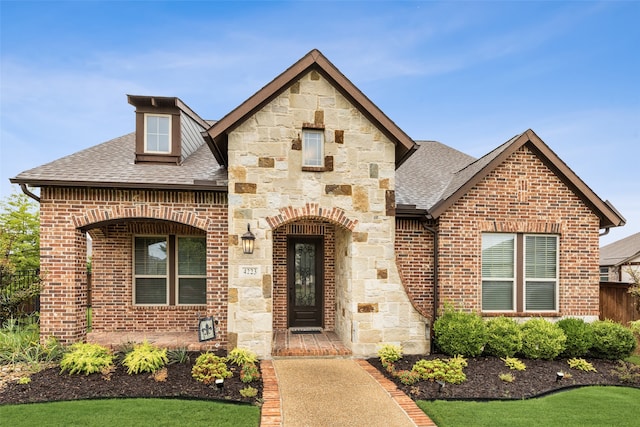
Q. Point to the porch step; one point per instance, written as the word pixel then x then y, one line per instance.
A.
pixel 322 344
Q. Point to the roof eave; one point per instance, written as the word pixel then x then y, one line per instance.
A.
pixel 609 216
pixel 197 185
pixel 313 60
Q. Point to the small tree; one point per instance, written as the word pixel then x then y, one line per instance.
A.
pixel 634 289
pixel 19 234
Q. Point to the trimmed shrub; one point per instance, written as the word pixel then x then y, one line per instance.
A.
pixel 457 332
pixel 145 357
pixel 209 368
pixel 612 340
pixel 542 339
pixel 504 337
pixel 579 337
pixel 241 356
pixel 85 358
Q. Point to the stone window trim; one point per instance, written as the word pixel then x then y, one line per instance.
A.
pixel 172 275
pixel 519 279
pixel 327 163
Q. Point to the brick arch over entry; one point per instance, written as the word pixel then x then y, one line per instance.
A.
pixel 311 210
pixel 95 217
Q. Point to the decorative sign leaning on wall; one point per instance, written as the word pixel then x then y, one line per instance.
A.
pixel 206 329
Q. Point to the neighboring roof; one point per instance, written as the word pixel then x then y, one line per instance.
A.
pixel 111 164
pixel 621 251
pixel 456 183
pixel 217 135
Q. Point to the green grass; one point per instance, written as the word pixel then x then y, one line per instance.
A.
pixel 131 412
pixel 635 359
pixel 588 406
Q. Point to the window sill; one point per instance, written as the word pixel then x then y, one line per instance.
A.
pixel 520 313
pixel 169 307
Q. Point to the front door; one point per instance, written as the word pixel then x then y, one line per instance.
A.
pixel 305 281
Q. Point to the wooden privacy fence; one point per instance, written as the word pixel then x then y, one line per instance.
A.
pixel 617 304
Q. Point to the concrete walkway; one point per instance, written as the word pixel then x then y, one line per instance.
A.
pixel 340 392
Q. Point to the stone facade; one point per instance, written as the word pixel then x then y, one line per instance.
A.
pixel 269 188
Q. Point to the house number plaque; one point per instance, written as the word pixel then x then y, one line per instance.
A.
pixel 249 271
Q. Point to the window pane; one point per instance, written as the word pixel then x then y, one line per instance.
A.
pixel 498 252
pixel 497 295
pixel 192 290
pixel 157 133
pixel 540 257
pixel 312 148
pixel 151 256
pixel 151 290
pixel 541 296
pixel 192 256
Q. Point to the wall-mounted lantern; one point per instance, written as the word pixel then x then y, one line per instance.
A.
pixel 248 239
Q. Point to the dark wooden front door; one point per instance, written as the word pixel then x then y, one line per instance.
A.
pixel 305 281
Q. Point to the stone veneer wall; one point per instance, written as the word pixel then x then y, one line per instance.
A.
pixel 113 217
pixel 268 188
pixel 521 196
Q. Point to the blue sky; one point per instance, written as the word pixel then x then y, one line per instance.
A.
pixel 468 74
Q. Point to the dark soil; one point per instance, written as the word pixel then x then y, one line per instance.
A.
pixel 51 385
pixel 483 382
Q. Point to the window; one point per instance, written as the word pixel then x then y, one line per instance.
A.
pixel 157 133
pixel 170 270
pixel 604 274
pixel 312 148
pixel 519 272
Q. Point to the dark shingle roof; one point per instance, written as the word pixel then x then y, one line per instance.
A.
pixel 112 164
pixel 423 177
pixel 620 251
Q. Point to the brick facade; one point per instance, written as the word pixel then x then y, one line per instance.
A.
pixel 522 195
pixel 112 218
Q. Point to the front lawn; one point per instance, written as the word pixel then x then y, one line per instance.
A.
pixel 588 406
pixel 131 412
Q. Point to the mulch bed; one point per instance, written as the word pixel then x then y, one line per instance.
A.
pixel 483 382
pixel 51 385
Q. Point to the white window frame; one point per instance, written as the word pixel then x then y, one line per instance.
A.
pixel 317 162
pixel 150 276
pixel 526 279
pixel 520 275
pixel 146 133
pixel 513 280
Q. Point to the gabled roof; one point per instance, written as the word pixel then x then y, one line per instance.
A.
pixel 422 178
pixel 621 251
pixel 464 179
pixel 217 135
pixel 111 164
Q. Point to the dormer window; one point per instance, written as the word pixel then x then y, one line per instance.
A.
pixel 312 148
pixel 157 133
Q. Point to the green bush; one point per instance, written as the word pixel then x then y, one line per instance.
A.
pixel 86 358
pixel 20 342
pixel 579 337
pixel 514 363
pixel 612 340
pixel 450 371
pixel 542 339
pixel 504 337
pixel 240 357
pixel 249 373
pixel 461 333
pixel 178 355
pixel 145 357
pixel 209 368
pixel 248 392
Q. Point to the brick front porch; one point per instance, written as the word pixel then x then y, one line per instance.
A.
pixel 324 343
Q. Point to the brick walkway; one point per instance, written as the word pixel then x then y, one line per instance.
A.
pixel 287 343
